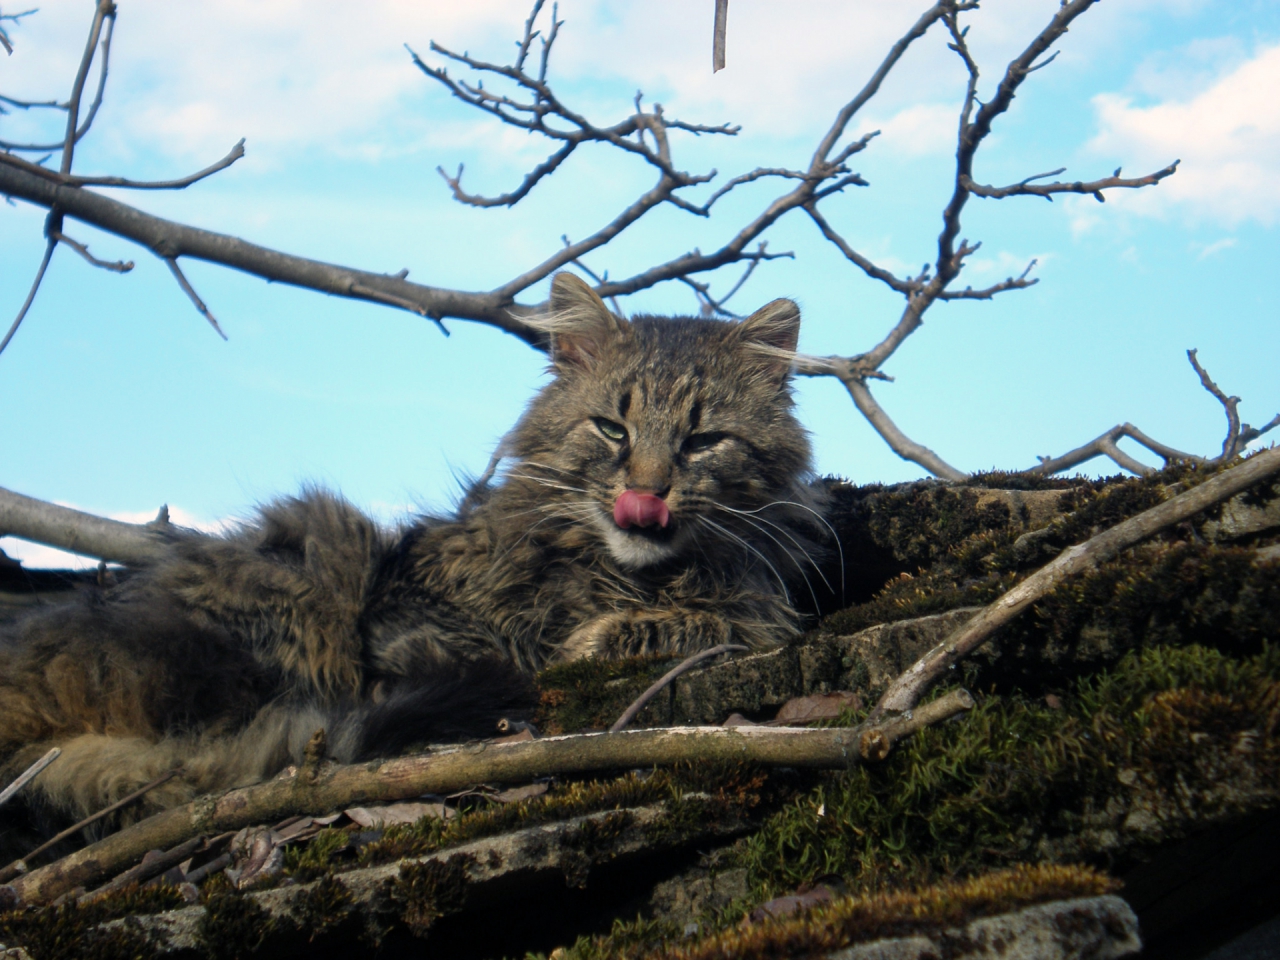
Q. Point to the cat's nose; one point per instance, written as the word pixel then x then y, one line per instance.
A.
pixel 639 508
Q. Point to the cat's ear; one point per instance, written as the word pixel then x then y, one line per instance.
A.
pixel 579 323
pixel 771 334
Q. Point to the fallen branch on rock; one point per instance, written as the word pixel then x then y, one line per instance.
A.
pixel 319 788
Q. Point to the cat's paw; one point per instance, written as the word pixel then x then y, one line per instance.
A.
pixel 674 632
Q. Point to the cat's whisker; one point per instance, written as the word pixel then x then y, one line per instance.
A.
pixel 750 516
pixel 569 511
pixel 835 537
pixel 543 481
pixel 757 525
pixel 749 548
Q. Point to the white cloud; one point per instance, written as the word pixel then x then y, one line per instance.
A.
pixel 1209 249
pixel 1005 264
pixel 920 130
pixel 1227 136
pixel 189 79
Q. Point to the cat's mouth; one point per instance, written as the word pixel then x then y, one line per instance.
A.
pixel 640 534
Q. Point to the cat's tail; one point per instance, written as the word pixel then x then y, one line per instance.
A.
pixel 452 702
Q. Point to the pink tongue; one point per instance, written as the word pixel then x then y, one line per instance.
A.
pixel 640 510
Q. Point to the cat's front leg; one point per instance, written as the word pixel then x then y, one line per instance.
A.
pixel 633 633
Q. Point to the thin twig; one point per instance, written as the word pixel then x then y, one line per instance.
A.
pixel 905 692
pixel 117 266
pixel 234 154
pixel 105 8
pixel 28 775
pixel 190 292
pixel 683 667
pixel 31 294
pixel 1229 404
pixel 23 865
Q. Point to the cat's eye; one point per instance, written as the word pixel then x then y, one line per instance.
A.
pixel 614 431
pixel 702 441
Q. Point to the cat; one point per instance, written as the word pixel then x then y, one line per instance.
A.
pixel 657 501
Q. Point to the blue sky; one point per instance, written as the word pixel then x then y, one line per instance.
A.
pixel 117 396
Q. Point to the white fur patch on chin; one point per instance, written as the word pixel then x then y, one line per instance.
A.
pixel 635 551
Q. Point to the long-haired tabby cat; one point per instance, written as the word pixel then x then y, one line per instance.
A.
pixel 656 502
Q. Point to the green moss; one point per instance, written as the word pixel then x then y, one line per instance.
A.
pixel 1175 590
pixel 591 694
pixel 988 787
pixel 234 926
pixel 582 846
pixel 425 892
pixel 560 803
pixel 323 908
pixel 73 930
pixel 853 919
pixel 305 862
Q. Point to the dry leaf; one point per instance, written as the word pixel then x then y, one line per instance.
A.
pixel 373 817
pixel 783 906
pixel 520 793
pixel 819 706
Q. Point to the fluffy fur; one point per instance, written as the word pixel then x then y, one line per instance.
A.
pixel 223 658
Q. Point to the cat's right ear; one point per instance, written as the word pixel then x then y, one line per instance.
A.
pixel 771 335
pixel 580 324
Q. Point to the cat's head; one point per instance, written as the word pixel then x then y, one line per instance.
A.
pixel 663 435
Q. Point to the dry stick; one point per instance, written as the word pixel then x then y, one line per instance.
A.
pixel 453 769
pixel 150 868
pixel 31 519
pixel 28 775
pixel 21 866
pixel 905 691
pixel 683 667
pixel 717 44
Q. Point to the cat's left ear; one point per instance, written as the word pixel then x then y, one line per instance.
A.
pixel 580 324
pixel 772 334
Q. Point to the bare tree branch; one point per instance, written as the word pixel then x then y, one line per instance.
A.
pixel 172 240
pixel 1238 434
pixel 27 775
pixel 905 692
pixel 4 36
pixel 854 381
pixel 22 866
pixel 323 788
pixel 83 533
pixel 232 156
pixel 31 294
pixel 1026 188
pixel 1229 404
pixel 106 12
